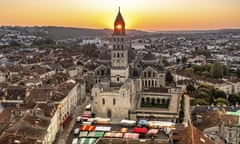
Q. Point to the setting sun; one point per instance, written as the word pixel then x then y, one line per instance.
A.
pixel 119 26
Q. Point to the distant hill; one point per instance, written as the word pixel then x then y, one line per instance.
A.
pixel 66 33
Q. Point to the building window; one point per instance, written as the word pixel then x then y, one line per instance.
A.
pixel 117 79
pixel 118 55
pixel 149 74
pixel 122 39
pixel 122 54
pixel 145 74
pixel 103 101
pixel 113 39
pixel 114 46
pixel 114 101
pixel 122 46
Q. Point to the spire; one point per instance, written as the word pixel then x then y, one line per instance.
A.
pixel 119 24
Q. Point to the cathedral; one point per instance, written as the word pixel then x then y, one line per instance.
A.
pixel 125 82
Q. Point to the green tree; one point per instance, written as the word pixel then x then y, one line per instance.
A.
pixel 221 101
pixel 165 62
pixel 189 70
pixel 169 77
pixel 220 94
pixel 190 88
pixel 225 69
pixel 204 95
pixel 238 72
pixel 234 98
pixel 216 71
pixel 205 73
pixel 206 53
pixel 200 101
pixel 184 59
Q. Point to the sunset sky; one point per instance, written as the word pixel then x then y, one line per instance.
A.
pixel 138 14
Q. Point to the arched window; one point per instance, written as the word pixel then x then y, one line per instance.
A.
pixel 145 83
pixel 118 55
pixel 163 101
pixel 158 100
pixel 102 72
pixel 117 79
pixel 103 101
pixel 114 101
pixel 153 101
pixel 148 99
pixel 153 74
pixel 143 100
pixel 145 74
pixel 122 54
pixel 149 74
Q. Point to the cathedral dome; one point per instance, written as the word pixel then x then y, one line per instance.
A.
pixel 149 58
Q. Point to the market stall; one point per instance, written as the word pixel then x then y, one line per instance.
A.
pixel 140 130
pixel 131 135
pixel 113 134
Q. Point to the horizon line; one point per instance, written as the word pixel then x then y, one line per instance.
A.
pixel 146 30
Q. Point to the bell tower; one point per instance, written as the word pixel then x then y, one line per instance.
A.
pixel 119 54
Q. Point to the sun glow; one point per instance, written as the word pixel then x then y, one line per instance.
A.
pixel 137 14
pixel 119 26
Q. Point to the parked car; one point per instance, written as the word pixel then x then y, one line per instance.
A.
pixel 79 118
pixel 75 141
pixel 76 131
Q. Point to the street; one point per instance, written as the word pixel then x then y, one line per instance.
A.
pixel 66 132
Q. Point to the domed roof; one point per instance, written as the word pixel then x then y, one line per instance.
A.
pixel 149 56
pixel 104 56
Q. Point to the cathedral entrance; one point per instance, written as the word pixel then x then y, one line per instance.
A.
pixel 109 113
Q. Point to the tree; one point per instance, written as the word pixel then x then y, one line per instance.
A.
pixel 165 62
pixel 205 73
pixel 200 101
pixel 238 72
pixel 216 70
pixel 205 96
pixel 225 69
pixel 169 77
pixel 184 59
pixel 206 53
pixel 219 94
pixel 221 101
pixel 190 88
pixel 234 98
pixel 189 70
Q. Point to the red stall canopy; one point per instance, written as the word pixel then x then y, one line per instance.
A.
pixel 140 130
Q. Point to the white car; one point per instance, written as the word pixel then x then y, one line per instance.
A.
pixel 79 118
pixel 75 141
pixel 76 131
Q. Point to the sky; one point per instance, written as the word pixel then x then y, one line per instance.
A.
pixel 138 14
